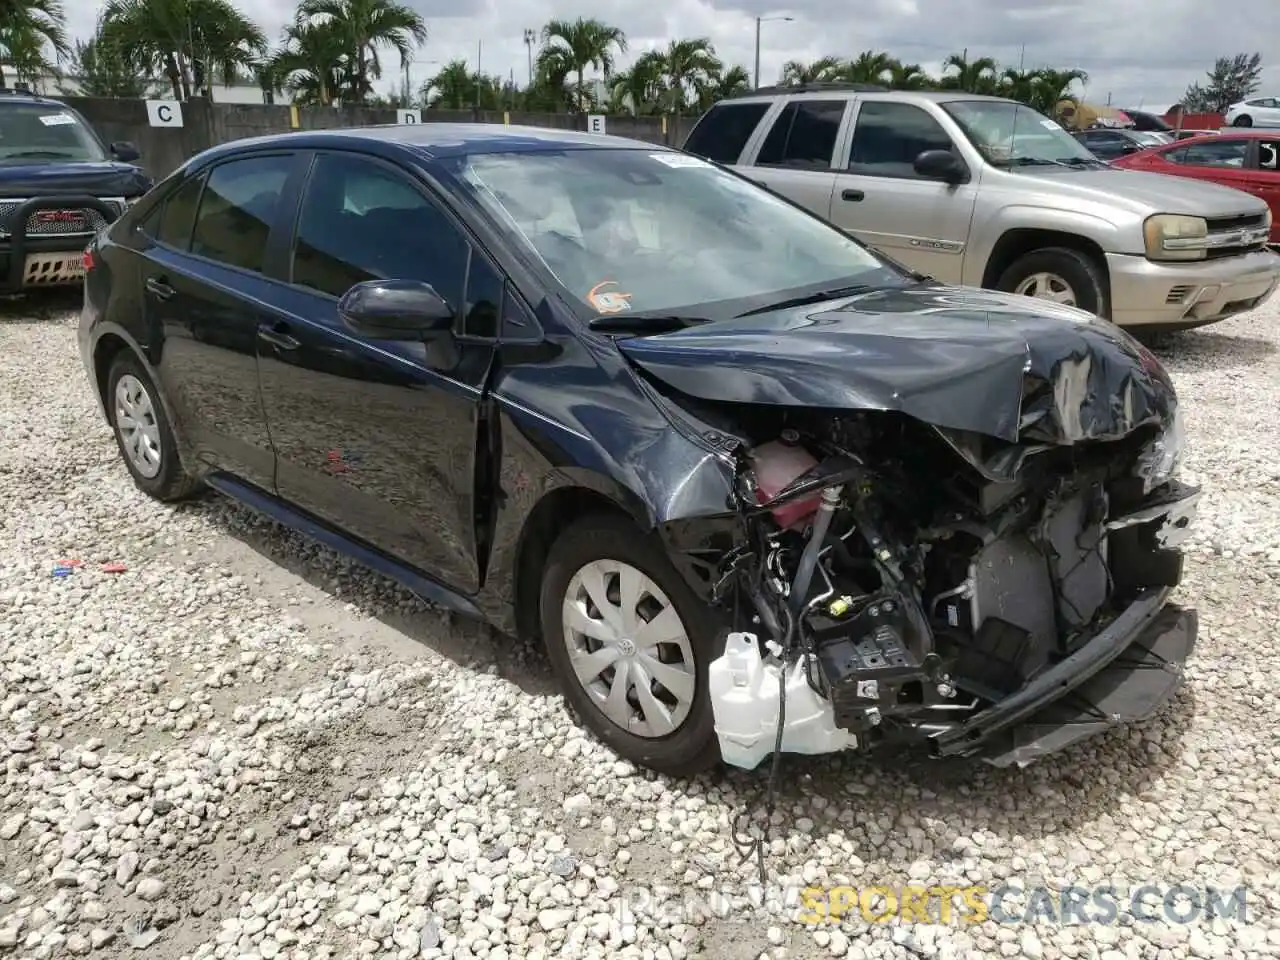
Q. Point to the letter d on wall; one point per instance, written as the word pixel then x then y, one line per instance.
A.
pixel 164 113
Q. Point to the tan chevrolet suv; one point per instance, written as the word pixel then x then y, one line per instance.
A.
pixel 987 192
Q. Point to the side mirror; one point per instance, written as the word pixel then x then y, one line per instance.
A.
pixel 125 152
pixel 941 165
pixel 395 310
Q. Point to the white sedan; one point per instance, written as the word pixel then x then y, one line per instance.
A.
pixel 1258 112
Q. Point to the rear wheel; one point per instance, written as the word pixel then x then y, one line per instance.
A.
pixel 630 643
pixel 1061 275
pixel 1244 120
pixel 142 432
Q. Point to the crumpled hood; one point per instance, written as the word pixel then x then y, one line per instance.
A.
pixel 54 178
pixel 956 358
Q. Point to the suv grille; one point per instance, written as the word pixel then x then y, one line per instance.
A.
pixel 1232 236
pixel 55 222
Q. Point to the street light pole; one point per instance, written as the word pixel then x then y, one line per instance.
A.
pixel 760 20
pixel 529 38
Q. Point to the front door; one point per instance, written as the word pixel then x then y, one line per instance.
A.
pixel 881 200
pixel 204 285
pixel 377 437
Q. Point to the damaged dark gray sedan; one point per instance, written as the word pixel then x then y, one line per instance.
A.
pixel 758 489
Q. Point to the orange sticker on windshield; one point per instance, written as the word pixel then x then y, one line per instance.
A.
pixel 608 301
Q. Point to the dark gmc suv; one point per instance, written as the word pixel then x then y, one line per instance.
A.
pixel 59 186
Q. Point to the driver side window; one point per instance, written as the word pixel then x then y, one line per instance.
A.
pixel 360 220
pixel 888 137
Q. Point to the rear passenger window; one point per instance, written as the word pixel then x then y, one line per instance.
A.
pixel 889 136
pixel 803 136
pixel 178 215
pixel 363 221
pixel 723 133
pixel 237 209
pixel 1219 153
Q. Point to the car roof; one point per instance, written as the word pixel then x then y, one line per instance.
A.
pixel 438 140
pixel 13 96
pixel 1233 133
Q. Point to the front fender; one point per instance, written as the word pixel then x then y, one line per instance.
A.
pixel 988 232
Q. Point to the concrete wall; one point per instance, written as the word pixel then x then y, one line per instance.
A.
pixel 208 124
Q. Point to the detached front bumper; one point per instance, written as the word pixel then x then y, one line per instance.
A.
pixel 1145 293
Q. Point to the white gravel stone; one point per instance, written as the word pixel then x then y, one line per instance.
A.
pixel 279 754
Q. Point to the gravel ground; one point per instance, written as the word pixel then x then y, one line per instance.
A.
pixel 244 746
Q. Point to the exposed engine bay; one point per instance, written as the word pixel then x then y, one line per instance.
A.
pixel 897 581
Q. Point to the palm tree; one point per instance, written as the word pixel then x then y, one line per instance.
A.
pixel 638 90
pixel 730 83
pixel 365 26
pixel 103 70
pixel 1018 84
pixel 186 41
pixel 1052 87
pixel 311 64
pixel 688 67
pixel 571 47
pixel 869 67
pixel 26 27
pixel 971 76
pixel 908 76
pixel 796 72
pixel 456 87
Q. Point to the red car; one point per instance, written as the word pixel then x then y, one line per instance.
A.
pixel 1248 160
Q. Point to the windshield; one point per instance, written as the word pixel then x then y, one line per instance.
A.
pixel 44 131
pixel 1010 134
pixel 635 232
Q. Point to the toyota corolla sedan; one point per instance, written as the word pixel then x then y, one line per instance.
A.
pixel 757 489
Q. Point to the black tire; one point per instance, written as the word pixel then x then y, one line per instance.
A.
pixel 693 747
pixel 1244 120
pixel 171 482
pixel 1081 272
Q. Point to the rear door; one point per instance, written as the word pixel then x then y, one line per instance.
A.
pixel 796 156
pixel 881 200
pixel 1224 160
pixel 205 283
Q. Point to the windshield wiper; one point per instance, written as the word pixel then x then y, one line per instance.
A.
pixel 1071 163
pixel 40 153
pixel 834 293
pixel 647 322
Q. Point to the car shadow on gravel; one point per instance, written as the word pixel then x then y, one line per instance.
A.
pixel 1217 348
pixel 466 642
pixel 40 306
pixel 956 798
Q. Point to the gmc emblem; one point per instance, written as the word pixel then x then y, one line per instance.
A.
pixel 59 216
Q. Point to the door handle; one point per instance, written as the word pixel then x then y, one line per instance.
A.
pixel 277 337
pixel 853 196
pixel 157 287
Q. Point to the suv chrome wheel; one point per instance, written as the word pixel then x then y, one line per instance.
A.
pixel 629 649
pixel 1047 286
pixel 137 426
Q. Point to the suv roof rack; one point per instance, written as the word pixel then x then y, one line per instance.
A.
pixel 814 87
pixel 19 90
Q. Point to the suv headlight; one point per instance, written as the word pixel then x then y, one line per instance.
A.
pixel 1159 462
pixel 1172 237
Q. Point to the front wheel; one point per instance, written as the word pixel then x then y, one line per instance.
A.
pixel 630 644
pixel 1059 274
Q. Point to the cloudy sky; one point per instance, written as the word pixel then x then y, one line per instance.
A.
pixel 1140 52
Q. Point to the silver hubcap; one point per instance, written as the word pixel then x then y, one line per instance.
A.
pixel 136 424
pixel 1047 286
pixel 628 648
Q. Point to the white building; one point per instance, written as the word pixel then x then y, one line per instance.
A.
pixel 69 86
